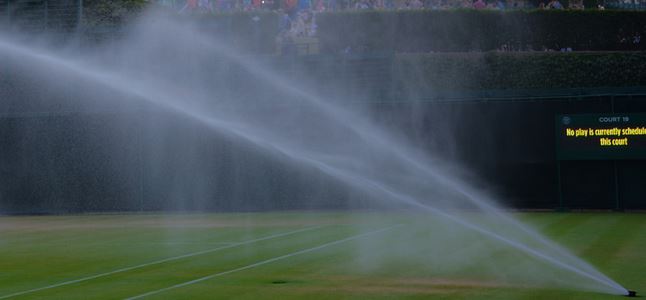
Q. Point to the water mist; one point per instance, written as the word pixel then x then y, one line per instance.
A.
pixel 305 126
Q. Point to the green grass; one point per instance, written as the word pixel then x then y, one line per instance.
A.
pixel 405 262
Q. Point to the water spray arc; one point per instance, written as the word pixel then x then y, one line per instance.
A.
pixel 400 188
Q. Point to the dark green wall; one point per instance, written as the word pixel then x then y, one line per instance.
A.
pixel 72 152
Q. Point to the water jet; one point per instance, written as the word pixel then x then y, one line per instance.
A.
pixel 339 143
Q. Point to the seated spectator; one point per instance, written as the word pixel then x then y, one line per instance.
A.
pixel 290 6
pixel 204 5
pixel 479 4
pixel 304 4
pixel 246 5
pixel 256 4
pixel 576 4
pixel 191 6
pixel 362 4
pixel 555 4
pixel 379 4
pixel 223 5
pixel 637 38
pixel 416 4
pixel 319 5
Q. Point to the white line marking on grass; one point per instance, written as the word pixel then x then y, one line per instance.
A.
pixel 264 262
pixel 232 245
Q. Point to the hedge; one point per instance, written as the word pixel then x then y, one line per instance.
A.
pixel 250 32
pixel 423 74
pixel 424 30
pixel 481 30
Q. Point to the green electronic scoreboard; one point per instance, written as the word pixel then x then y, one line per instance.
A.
pixel 601 136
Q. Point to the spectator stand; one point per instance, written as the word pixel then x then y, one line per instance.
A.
pixel 626 4
pixel 297 21
pixel 297 33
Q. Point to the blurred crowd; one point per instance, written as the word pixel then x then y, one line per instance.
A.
pixel 294 6
pixel 298 27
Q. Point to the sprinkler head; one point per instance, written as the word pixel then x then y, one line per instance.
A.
pixel 631 294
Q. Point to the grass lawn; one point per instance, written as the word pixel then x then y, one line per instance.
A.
pixel 336 256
